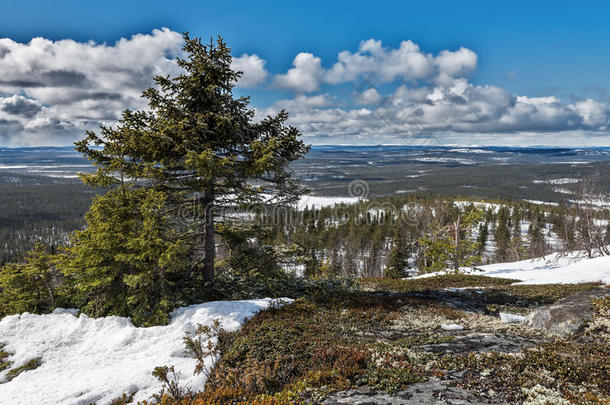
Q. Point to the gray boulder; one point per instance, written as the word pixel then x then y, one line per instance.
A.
pixel 568 315
pixel 431 392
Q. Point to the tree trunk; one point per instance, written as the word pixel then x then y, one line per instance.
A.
pixel 209 247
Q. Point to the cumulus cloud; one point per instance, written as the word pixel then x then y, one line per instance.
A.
pixel 252 68
pixel 369 96
pixel 455 64
pixel 433 98
pixel 60 88
pixel 52 91
pixel 442 110
pixel 373 63
pixel 19 106
pixel 305 76
pixel 380 64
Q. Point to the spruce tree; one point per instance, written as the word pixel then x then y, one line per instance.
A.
pixel 398 259
pixel 198 144
pixel 31 286
pixel 502 234
pixel 128 260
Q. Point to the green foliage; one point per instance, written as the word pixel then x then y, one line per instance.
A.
pixel 579 372
pixel 171 389
pixel 502 234
pixel 32 286
pixel 198 144
pixel 398 261
pixel 450 242
pixel 150 241
pixel 128 260
pixel 435 283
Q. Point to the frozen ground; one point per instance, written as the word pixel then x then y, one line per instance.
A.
pixel 311 201
pixel 86 360
pixel 550 270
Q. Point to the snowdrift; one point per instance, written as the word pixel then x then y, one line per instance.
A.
pixel 87 360
pixel 553 269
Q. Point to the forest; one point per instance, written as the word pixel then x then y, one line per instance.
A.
pixel 193 212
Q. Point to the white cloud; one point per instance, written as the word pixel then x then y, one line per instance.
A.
pixel 381 65
pixel 455 64
pixel 369 96
pixel 253 68
pixel 52 91
pixel 445 111
pixel 593 113
pixel 79 84
pixel 305 76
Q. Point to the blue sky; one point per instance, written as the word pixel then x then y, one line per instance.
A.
pixel 527 49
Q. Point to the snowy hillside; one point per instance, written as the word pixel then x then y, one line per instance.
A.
pixel 550 270
pixel 86 360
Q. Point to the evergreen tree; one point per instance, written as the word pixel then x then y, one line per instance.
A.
pixel 197 143
pixel 502 234
pixel 398 258
pixel 31 286
pixel 128 260
pixel 482 238
pixel 536 234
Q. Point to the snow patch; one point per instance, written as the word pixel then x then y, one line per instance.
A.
pixel 452 326
pixel 554 269
pixel 321 202
pixel 93 360
pixel 511 318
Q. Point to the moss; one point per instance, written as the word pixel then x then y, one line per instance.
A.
pixel 528 296
pixel 599 327
pixel 308 349
pixel 434 283
pixel 498 293
pixel 392 379
pixel 29 365
pixel 422 340
pixel 301 353
pixel 572 369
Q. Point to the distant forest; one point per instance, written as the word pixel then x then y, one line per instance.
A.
pixel 39 209
pixel 364 239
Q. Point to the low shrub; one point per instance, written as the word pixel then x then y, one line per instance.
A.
pixel 434 283
pixel 572 369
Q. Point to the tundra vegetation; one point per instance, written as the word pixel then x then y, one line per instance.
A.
pixel 196 202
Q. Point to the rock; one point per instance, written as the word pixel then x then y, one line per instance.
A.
pixel 482 342
pixel 433 391
pixel 568 315
pixel 511 318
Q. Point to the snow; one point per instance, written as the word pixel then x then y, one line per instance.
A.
pixel 557 181
pixel 553 269
pixel 451 326
pixel 445 160
pixel 541 202
pixel 320 202
pixel 511 318
pixel 87 360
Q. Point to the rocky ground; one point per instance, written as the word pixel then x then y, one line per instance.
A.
pixel 451 339
pixel 565 318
